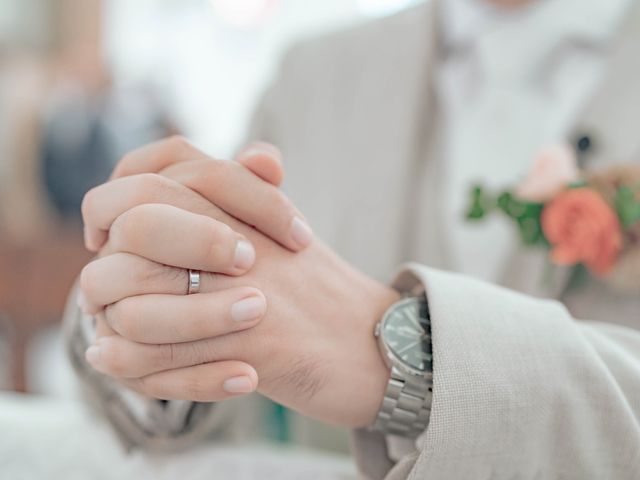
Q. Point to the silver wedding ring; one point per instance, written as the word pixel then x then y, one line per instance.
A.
pixel 194 282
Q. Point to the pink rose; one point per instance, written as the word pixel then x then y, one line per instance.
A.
pixel 554 168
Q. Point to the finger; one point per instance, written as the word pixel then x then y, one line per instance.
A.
pixel 210 382
pixel 156 156
pixel 119 357
pixel 103 204
pixel 112 278
pixel 172 236
pixel 263 160
pixel 275 217
pixel 109 279
pixel 238 192
pixel 103 329
pixel 159 319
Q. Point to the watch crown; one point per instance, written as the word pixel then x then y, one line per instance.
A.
pixel 376 332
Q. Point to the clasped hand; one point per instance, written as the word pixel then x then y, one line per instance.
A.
pixel 277 312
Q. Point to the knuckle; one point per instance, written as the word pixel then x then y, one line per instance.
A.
pixel 112 316
pixel 220 244
pixel 187 354
pixel 90 280
pixel 150 387
pixel 220 232
pixel 123 166
pixel 166 354
pixel 177 355
pixel 88 203
pixel 129 229
pixel 195 354
pixel 124 317
pixel 178 143
pixel 156 187
pixel 163 276
pixel 146 187
pixel 122 232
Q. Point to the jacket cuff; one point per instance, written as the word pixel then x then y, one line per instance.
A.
pixel 375 453
pixel 138 421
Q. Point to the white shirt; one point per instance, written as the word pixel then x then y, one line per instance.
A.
pixel 513 81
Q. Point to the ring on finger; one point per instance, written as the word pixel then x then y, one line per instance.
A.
pixel 194 282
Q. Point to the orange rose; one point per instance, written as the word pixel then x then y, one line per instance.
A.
pixel 582 228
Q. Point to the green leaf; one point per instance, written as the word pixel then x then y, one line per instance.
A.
pixel 480 204
pixel 627 205
pixel 531 231
pixel 578 184
pixel 527 217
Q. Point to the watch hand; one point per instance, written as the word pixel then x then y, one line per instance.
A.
pixel 408 346
pixel 414 321
pixel 407 331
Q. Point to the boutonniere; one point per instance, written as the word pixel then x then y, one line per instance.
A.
pixel 588 218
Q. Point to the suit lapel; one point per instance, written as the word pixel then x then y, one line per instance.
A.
pixel 424 232
pixel 610 120
pixel 388 156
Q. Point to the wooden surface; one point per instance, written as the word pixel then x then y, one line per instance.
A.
pixel 35 279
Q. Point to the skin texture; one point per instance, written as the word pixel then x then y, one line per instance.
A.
pixel 305 339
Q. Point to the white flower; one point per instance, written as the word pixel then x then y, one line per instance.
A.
pixel 554 168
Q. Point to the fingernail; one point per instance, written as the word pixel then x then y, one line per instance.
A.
pixel 248 309
pixel 238 385
pixel 254 152
pixel 260 149
pixel 93 355
pixel 245 255
pixel 301 232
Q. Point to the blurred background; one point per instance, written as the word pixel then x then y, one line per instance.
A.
pixel 84 81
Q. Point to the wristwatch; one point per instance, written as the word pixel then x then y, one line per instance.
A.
pixel 404 336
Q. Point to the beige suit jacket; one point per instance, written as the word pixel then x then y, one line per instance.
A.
pixel 521 389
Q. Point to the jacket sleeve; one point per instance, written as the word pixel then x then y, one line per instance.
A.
pixel 139 422
pixel 521 390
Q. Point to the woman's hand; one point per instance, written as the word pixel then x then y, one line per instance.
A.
pixel 313 349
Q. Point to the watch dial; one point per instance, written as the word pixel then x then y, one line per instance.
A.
pixel 407 332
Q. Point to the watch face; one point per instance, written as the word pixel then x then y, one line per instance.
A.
pixel 407 333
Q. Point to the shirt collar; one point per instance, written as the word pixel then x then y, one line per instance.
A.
pixel 590 22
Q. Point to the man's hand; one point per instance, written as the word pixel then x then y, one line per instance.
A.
pixel 141 178
pixel 313 349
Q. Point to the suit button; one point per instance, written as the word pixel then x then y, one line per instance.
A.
pixel 583 144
